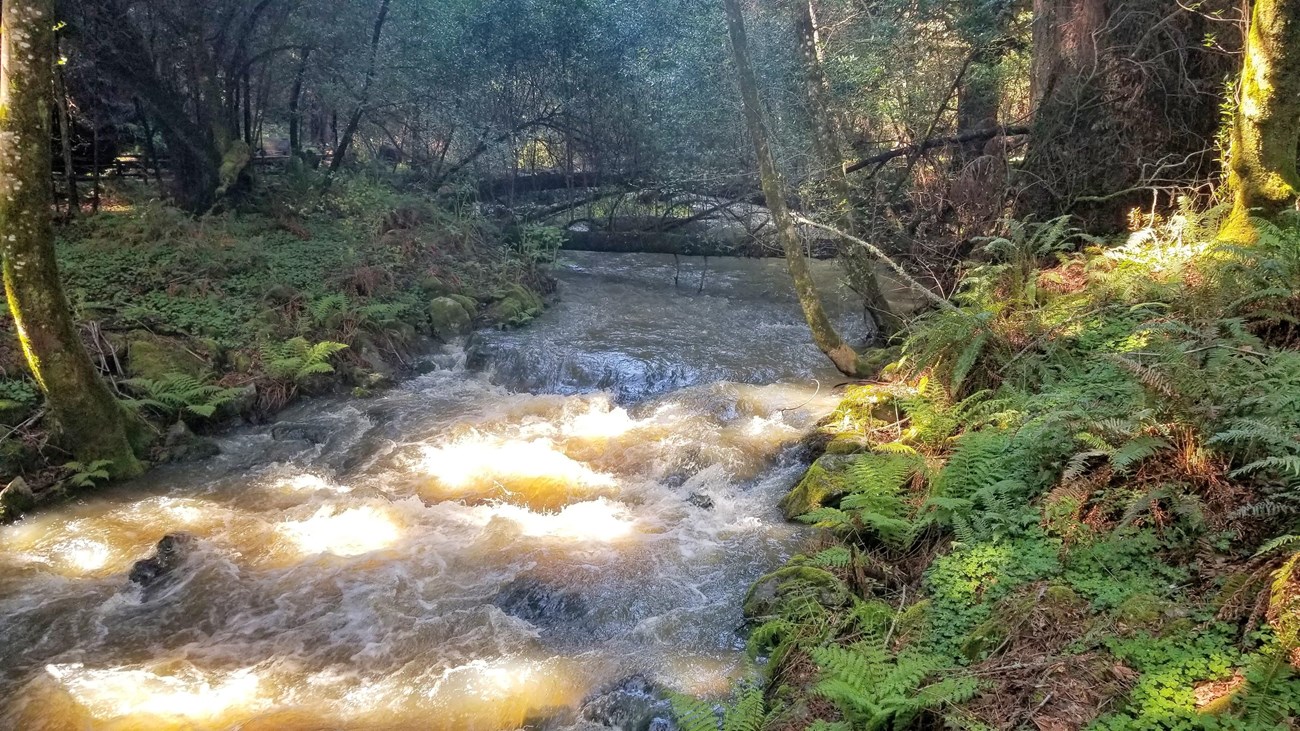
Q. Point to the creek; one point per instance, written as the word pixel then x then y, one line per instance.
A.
pixel 544 514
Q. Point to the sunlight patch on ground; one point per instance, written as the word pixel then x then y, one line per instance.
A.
pixel 351 532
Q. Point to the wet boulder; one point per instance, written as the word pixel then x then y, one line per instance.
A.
pixel 16 499
pixel 821 484
pixel 290 431
pixel 157 571
pixel 182 445
pixel 700 500
pixel 634 703
pixel 541 605
pixel 449 318
pixel 514 306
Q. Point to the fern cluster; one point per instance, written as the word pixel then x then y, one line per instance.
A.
pixel 295 360
pixel 177 395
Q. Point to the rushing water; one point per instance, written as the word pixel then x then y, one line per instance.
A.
pixel 480 548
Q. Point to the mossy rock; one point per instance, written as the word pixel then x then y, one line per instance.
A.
pixel 768 594
pixel 153 356
pixel 842 444
pixel 821 484
pixel 469 303
pixel 449 318
pixel 16 499
pixel 182 445
pixel 434 287
pixel 515 305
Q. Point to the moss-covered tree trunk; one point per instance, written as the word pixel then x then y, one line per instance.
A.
pixel 1266 130
pixel 823 331
pixel 86 417
pixel 826 141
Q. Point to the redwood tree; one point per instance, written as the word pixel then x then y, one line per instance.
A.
pixel 1266 129
pixel 85 415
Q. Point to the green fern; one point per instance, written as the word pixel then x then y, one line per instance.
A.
pixel 179 394
pixel 693 714
pixel 296 360
pixel 748 711
pixel 87 475
pixel 876 690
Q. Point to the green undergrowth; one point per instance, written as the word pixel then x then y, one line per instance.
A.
pixel 199 320
pixel 1073 503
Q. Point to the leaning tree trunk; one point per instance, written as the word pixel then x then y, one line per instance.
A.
pixel 86 417
pixel 372 70
pixel 826 142
pixel 1266 130
pixel 844 357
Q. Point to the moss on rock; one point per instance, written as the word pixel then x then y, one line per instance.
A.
pixel 153 357
pixel 469 303
pixel 515 305
pixel 821 484
pixel 449 318
pixel 767 594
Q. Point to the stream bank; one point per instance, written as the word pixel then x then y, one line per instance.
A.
pixel 200 323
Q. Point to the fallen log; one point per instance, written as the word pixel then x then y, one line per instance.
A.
pixel 930 144
pixel 653 242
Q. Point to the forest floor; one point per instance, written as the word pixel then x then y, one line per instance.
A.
pixel 1071 503
pixel 203 322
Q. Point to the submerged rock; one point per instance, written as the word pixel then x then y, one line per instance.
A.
pixel 545 606
pixel 300 432
pixel 155 572
pixel 634 703
pixel 183 445
pixel 700 500
pixel 16 499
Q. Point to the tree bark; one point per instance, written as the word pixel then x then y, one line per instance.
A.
pixel 65 144
pixel 295 109
pixel 1266 130
pixel 372 69
pixel 826 142
pixel 86 417
pixel 823 331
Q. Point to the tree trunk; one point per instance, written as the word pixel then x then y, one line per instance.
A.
pixel 150 150
pixel 826 142
pixel 823 331
pixel 86 417
pixel 65 143
pixel 295 109
pixel 372 68
pixel 1266 130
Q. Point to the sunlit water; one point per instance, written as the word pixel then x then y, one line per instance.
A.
pixel 480 548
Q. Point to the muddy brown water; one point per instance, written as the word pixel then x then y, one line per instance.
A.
pixel 489 544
